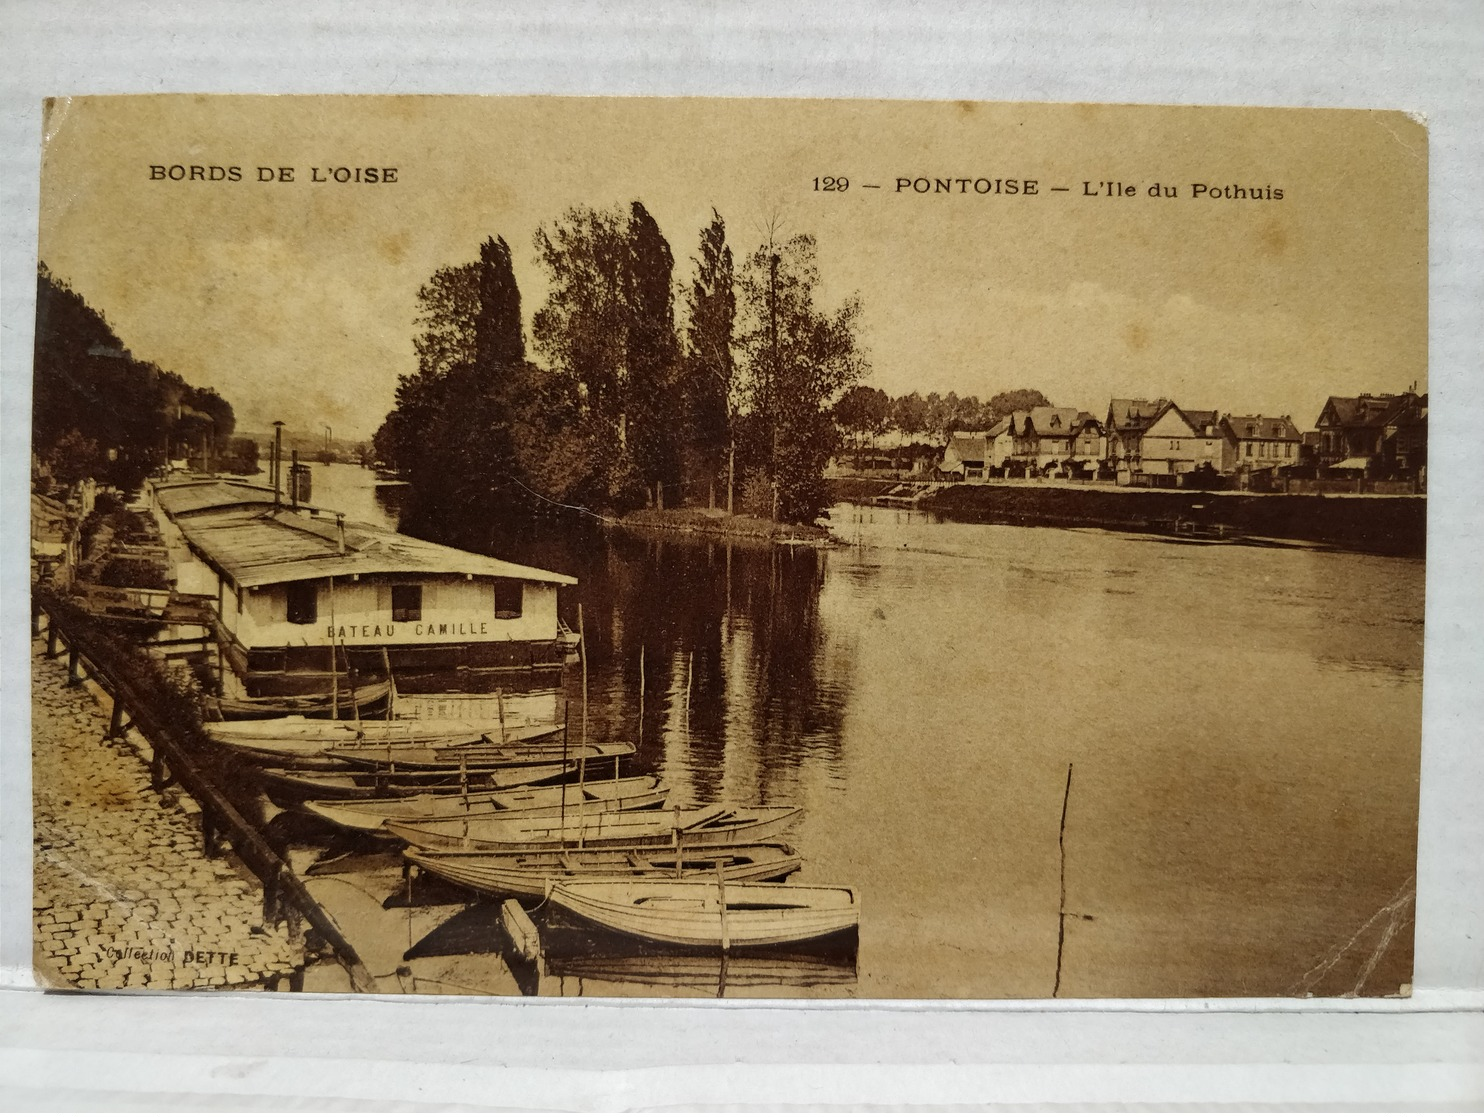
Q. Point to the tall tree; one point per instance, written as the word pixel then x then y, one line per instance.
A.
pixel 652 403
pixel 499 338
pixel 799 360
pixel 712 399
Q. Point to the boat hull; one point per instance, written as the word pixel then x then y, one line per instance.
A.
pixel 475 754
pixel 711 913
pixel 658 829
pixel 295 785
pixel 525 875
pixel 372 815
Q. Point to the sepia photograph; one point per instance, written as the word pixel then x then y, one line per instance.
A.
pixel 702 547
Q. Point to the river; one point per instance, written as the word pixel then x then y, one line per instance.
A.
pixel 1211 752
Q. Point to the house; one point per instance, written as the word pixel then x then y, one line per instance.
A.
pixel 1043 438
pixel 299 597
pixel 1149 440
pixel 964 458
pixel 1124 429
pixel 1256 442
pixel 1089 445
pixel 1380 434
pixel 1001 439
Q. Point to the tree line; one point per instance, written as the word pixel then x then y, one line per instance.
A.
pixel 99 412
pixel 624 399
pixel 864 412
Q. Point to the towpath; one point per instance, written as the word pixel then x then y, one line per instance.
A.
pixel 123 895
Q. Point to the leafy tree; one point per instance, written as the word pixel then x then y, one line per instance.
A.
pixel 799 359
pixel 909 414
pixel 712 396
pixel 653 405
pixel 864 411
pixel 1021 399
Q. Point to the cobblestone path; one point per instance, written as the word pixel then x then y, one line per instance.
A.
pixel 123 896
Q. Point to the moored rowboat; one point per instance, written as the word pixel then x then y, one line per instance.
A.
pixel 709 826
pixel 571 800
pixel 526 874
pixel 710 913
pixel 298 784
pixel 369 700
pixel 474 754
pixel 274 739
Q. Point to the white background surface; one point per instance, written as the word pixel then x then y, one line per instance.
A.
pixel 268 1051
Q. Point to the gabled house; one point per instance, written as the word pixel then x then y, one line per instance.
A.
pixel 964 458
pixel 1168 442
pixel 1001 439
pixel 1379 434
pixel 1089 446
pixel 1124 429
pixel 1043 438
pixel 1254 442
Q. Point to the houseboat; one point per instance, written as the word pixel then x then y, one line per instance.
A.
pixel 303 601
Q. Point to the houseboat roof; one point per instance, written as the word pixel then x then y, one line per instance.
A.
pixel 256 545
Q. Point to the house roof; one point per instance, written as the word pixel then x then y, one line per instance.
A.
pixel 1134 414
pixel 1200 421
pixel 1280 429
pixel 1055 421
pixel 1000 428
pixel 967 447
pixel 1370 411
pixel 256 545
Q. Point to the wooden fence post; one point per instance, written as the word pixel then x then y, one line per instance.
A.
pixel 74 667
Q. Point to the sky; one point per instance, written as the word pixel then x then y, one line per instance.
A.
pixel 296 299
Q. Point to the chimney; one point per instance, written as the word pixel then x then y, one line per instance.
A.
pixel 340 529
pixel 294 479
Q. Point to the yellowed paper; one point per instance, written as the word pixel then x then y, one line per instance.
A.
pixel 997 527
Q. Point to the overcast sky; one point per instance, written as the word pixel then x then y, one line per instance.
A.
pixel 296 300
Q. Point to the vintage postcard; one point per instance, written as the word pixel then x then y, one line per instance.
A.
pixel 701 547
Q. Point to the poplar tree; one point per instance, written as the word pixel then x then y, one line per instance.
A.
pixel 653 405
pixel 712 398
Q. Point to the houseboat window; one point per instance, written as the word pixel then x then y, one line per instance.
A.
pixel 407 603
pixel 508 600
pixel 303 598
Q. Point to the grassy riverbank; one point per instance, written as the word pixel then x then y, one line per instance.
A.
pixel 1380 525
pixel 715 521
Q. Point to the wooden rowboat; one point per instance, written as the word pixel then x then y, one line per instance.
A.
pixel 294 785
pixel 370 700
pixel 569 800
pixel 474 754
pixel 526 874
pixel 710 913
pixel 709 826
pixel 274 739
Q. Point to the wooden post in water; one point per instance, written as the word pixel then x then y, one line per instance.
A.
pixel 582 647
pixel 391 683
pixel 334 672
pixel 640 742
pixel 721 888
pixel 1061 850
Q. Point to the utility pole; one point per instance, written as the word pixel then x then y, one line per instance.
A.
pixel 277 460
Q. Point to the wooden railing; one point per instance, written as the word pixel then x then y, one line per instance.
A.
pixel 145 699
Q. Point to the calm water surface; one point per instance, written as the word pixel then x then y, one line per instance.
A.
pixel 1241 724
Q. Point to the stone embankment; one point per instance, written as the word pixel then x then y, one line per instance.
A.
pixel 123 895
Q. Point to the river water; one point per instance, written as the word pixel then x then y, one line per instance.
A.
pixel 1211 752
